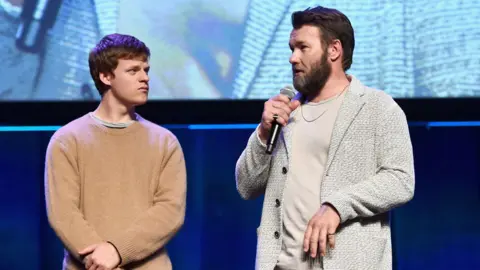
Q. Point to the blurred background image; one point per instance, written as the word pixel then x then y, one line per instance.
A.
pixel 213 49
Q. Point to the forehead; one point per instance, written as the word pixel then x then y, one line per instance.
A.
pixel 133 62
pixel 305 33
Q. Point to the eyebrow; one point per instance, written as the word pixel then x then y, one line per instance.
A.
pixel 137 67
pixel 296 43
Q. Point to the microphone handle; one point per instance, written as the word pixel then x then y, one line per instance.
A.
pixel 273 137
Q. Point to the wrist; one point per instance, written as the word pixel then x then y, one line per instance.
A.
pixel 262 134
pixel 332 208
pixel 118 253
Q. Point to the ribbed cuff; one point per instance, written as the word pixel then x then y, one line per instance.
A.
pixel 119 256
pixel 125 248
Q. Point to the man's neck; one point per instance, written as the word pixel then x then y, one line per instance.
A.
pixel 334 86
pixel 112 111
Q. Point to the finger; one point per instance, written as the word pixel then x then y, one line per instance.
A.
pixel 279 105
pixel 275 107
pixel 282 98
pixel 294 104
pixel 314 241
pixel 88 262
pixel 88 249
pixel 331 238
pixel 323 241
pixel 282 111
pixel 267 120
pixel 281 117
pixel 283 106
pixel 93 267
pixel 306 239
pixel 275 115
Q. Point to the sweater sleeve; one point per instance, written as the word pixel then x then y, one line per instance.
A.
pixel 152 230
pixel 62 196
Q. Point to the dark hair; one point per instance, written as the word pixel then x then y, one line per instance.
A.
pixel 104 56
pixel 332 25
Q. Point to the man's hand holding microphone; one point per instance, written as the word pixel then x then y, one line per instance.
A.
pixel 276 113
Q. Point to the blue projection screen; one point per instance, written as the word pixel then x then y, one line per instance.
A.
pixel 217 49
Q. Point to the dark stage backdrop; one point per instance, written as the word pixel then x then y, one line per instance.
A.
pixel 438 229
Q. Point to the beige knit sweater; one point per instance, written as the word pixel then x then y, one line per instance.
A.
pixel 126 186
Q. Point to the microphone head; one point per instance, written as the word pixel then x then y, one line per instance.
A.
pixel 288 91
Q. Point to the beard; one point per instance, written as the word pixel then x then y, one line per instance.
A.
pixel 312 82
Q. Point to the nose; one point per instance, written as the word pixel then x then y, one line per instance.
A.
pixel 144 77
pixel 294 58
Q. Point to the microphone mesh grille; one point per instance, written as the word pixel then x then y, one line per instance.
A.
pixel 288 91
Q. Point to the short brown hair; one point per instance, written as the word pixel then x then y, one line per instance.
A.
pixel 333 24
pixel 104 56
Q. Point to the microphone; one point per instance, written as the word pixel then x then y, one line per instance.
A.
pixel 276 127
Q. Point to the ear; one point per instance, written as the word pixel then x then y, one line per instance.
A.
pixel 106 78
pixel 335 50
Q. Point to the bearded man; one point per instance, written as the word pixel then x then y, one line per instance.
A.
pixel 342 162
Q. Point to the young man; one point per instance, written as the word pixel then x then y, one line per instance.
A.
pixel 343 160
pixel 115 183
